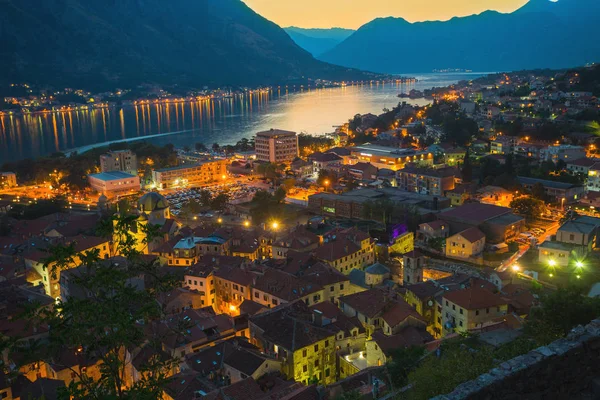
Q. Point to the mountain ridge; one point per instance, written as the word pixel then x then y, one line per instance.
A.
pixel 541 34
pixel 120 43
pixel 316 40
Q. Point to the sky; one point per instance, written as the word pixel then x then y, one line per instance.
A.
pixel 354 13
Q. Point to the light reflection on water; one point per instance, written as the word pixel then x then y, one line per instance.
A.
pixel 224 121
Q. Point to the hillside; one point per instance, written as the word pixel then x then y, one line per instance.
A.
pixel 318 41
pixel 112 43
pixel 542 34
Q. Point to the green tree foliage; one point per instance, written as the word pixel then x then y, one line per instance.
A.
pixel 560 312
pixel 528 207
pixel 456 365
pixel 205 197
pixel 219 202
pixel 110 318
pixel 460 129
pixel 38 209
pixel 467 168
pixel 404 360
pixel 288 184
pixel 326 176
pixel 265 206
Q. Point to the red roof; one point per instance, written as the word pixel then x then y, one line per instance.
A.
pixel 472 234
pixel 474 298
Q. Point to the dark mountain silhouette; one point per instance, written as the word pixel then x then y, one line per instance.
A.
pixel 542 34
pixel 109 43
pixel 318 41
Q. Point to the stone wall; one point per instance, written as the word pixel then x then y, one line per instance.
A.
pixel 565 369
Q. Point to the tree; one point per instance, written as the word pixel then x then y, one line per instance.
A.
pixel 404 360
pixel 279 195
pixel 186 148
pixel 467 168
pixel 219 202
pixel 288 184
pixel 112 317
pixel 561 310
pixel 200 147
pixel 205 197
pixel 216 147
pixel 538 191
pixel 528 207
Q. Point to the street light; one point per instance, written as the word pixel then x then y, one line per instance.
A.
pixel 275 225
pixel 220 220
pixel 246 223
pixel 516 268
pixel 562 203
pixel 579 264
pixel 552 263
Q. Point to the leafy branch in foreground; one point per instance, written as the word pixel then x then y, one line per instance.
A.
pixel 96 327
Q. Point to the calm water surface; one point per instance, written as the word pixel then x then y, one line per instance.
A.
pixel 223 121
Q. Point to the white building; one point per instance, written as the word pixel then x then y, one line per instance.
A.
pixel 276 146
pixel 563 152
pixel 114 183
pixel 8 180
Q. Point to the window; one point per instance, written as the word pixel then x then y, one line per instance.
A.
pixel 327 373
pixel 446 302
pixel 304 368
pixel 460 310
pixel 256 294
pixel 341 286
pixel 304 353
pixel 460 323
pixel 316 348
pixel 331 289
pixel 453 307
pixel 275 302
pixel 571 237
pixel 327 343
pixel 316 363
pixel 487 310
pixel 476 312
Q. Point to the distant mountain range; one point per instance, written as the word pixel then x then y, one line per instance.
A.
pixel 541 34
pixel 121 43
pixel 318 41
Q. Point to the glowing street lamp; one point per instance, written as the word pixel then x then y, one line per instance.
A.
pixel 579 264
pixel 552 263
pixel 246 223
pixel 220 220
pixel 275 225
pixel 516 268
pixel 223 176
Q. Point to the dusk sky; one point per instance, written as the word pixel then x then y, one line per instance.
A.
pixel 354 13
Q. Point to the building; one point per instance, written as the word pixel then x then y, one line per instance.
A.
pixel 306 350
pixel 564 152
pixel 499 224
pixel 433 230
pixel 557 192
pixel 323 160
pixel 350 204
pixel 203 173
pixel 582 166
pixel 575 239
pixel 114 183
pixel 430 181
pixel 276 146
pixel 200 278
pixel 471 308
pixel 346 250
pixel 466 244
pixel 362 171
pixel 495 195
pixel 390 157
pixel 119 160
pixel 8 180
pixel 593 178
pixel 503 145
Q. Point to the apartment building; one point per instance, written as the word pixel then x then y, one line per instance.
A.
pixel 119 160
pixel 276 146
pixel 430 181
pixel 190 175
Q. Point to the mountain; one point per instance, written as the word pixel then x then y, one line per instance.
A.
pixel 121 43
pixel 318 41
pixel 541 34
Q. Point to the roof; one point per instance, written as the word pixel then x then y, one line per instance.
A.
pixel 152 201
pixel 551 184
pixel 251 307
pixel 409 336
pixel 583 162
pixel 585 226
pixel 370 302
pixel 437 172
pixel 474 298
pixel 285 286
pixel 276 132
pixel 358 277
pixel 42 388
pixel 289 326
pixel 244 361
pixel 362 166
pixel 436 225
pixel 235 274
pixel 377 269
pixel 424 290
pixel 398 312
pixel 475 213
pixel 324 157
pixel 111 176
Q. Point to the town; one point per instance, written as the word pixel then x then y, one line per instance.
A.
pixel 456 235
